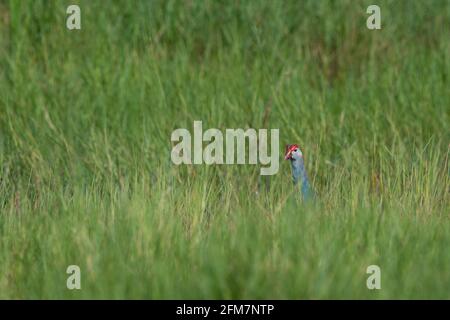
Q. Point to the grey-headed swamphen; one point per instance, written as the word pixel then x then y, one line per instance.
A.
pixel 295 155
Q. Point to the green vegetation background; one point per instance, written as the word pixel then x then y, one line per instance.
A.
pixel 85 171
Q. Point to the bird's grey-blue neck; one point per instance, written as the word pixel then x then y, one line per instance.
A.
pixel 299 172
pixel 298 169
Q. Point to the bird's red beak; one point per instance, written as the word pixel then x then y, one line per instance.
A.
pixel 287 156
pixel 288 152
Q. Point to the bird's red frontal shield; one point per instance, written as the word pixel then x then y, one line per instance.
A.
pixel 289 149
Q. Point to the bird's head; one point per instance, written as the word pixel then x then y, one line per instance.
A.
pixel 293 152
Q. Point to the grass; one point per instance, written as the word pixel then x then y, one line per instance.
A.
pixel 85 171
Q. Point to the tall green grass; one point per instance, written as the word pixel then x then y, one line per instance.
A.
pixel 85 172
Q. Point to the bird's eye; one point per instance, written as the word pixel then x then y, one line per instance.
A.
pixel 295 150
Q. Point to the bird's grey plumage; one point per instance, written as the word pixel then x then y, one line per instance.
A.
pixel 295 156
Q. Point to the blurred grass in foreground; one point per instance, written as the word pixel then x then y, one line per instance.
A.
pixel 85 171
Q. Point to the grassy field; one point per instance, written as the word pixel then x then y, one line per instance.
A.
pixel 85 171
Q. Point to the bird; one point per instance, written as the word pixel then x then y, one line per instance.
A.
pixel 295 156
